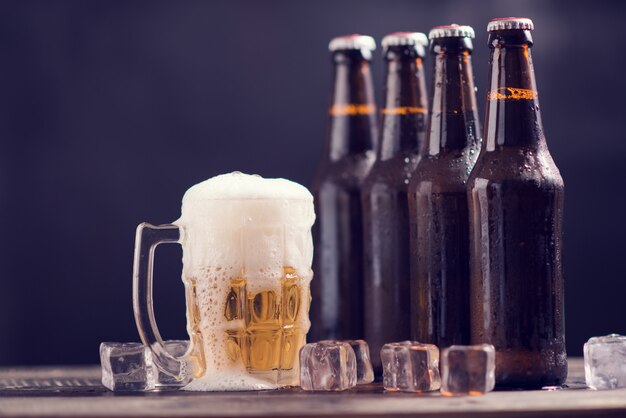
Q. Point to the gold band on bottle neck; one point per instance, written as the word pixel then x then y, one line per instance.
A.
pixel 352 109
pixel 403 110
pixel 511 93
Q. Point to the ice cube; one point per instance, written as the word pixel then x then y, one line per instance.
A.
pixel 327 365
pixel 129 366
pixel 124 366
pixel 409 366
pixel 468 369
pixel 605 362
pixel 364 370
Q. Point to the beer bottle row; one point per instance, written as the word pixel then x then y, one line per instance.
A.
pixel 429 232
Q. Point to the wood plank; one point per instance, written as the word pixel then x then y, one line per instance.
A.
pixel 76 392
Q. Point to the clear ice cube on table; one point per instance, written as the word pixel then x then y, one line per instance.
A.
pixel 129 366
pixel 124 366
pixel 409 366
pixel 468 369
pixel 364 370
pixel 327 366
pixel 605 362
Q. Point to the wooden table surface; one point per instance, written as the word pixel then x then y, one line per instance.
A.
pixel 77 392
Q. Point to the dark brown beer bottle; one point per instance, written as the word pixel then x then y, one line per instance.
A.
pixel 337 288
pixel 437 195
pixel 385 210
pixel 516 214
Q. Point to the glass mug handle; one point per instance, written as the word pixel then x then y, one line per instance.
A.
pixel 146 240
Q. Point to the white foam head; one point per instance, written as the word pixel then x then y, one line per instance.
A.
pixel 240 226
pixel 248 225
pixel 237 185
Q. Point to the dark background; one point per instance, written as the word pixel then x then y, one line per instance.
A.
pixel 110 110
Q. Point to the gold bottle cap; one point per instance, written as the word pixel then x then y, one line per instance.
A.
pixel 503 23
pixel 356 42
pixel 451 31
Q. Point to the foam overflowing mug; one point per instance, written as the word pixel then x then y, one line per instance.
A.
pixel 247 253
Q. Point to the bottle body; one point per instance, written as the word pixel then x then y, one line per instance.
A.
pixel 439 256
pixel 517 279
pixel 515 195
pixel 337 294
pixel 438 207
pixel 386 254
pixel 337 288
pixel 384 198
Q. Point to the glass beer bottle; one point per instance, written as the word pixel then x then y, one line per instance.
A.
pixel 337 289
pixel 515 194
pixel 437 195
pixel 385 211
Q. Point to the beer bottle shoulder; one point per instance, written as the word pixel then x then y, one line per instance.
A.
pixel 445 172
pixel 393 173
pixel 348 172
pixel 508 165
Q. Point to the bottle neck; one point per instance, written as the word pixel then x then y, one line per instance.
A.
pixel 352 125
pixel 512 117
pixel 406 105
pixel 454 121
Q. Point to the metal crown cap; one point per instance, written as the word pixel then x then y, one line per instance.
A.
pixel 451 31
pixel 355 41
pixel 404 38
pixel 502 23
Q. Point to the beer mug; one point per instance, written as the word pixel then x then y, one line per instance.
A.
pixel 247 252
